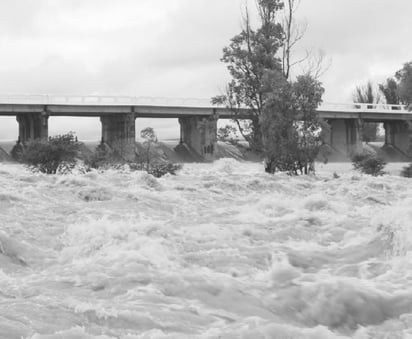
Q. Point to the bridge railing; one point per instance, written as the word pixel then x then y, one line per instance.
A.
pixel 356 107
pixel 178 102
pixel 101 100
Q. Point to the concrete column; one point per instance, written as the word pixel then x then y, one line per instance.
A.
pixel 346 135
pixel 119 133
pixel 33 126
pixel 200 135
pixel 354 133
pixel 398 134
pixel 389 127
pixel 326 133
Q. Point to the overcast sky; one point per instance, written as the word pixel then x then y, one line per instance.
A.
pixel 172 48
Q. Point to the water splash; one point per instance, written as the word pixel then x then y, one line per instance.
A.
pixel 221 250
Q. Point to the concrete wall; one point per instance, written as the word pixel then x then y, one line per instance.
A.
pixel 200 135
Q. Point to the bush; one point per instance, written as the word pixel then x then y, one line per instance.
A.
pixel 17 151
pixel 368 163
pixel 407 171
pixel 159 170
pixel 103 156
pixel 57 153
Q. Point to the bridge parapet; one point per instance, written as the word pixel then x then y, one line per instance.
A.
pixel 98 100
pixel 360 107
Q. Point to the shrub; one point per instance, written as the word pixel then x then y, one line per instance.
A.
pixel 57 153
pixel 103 156
pixel 368 163
pixel 159 170
pixel 407 171
pixel 17 151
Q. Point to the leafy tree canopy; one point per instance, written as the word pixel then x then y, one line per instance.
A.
pixel 404 77
pixel 148 134
pixel 259 62
pixel 366 94
pixel 389 89
pixel 291 128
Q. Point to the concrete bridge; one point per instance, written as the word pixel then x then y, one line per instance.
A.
pixel 197 118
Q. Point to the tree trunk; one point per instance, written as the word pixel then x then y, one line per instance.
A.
pixel 256 138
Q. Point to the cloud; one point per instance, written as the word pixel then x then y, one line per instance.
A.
pixel 18 18
pixel 101 47
pixel 365 39
pixel 173 47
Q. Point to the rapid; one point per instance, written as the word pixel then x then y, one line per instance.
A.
pixel 221 250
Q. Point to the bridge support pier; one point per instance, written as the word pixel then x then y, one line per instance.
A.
pixel 345 135
pixel 119 133
pixel 200 136
pixel 399 135
pixel 33 126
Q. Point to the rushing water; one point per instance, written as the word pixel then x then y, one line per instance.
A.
pixel 221 250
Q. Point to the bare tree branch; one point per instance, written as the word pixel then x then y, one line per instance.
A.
pixel 293 32
pixel 317 64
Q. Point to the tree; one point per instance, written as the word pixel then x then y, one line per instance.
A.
pixel 293 33
pixel 228 134
pixel 149 135
pixel 390 91
pixel 250 56
pixel 367 95
pixel 259 61
pixel 292 128
pixel 51 155
pixel 404 77
pixel 158 168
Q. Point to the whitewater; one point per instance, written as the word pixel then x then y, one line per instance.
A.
pixel 221 250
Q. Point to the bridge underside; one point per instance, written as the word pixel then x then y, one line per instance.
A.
pixel 344 135
pixel 198 134
pixel 398 134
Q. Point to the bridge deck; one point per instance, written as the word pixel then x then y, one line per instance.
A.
pixel 95 106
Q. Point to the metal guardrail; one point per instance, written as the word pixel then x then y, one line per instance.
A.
pixel 177 102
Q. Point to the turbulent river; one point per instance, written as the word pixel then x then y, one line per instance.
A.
pixel 221 250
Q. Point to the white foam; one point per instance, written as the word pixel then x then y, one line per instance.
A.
pixel 219 250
